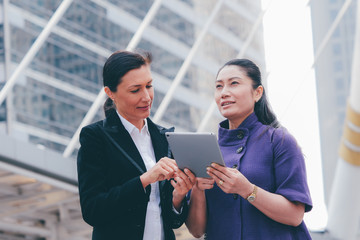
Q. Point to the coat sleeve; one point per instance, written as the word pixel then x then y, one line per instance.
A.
pixel 171 217
pixel 290 171
pixel 101 203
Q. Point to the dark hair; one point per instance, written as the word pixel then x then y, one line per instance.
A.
pixel 116 66
pixel 262 107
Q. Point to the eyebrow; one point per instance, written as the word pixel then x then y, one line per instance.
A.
pixel 138 85
pixel 232 78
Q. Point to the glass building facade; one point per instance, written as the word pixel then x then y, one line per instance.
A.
pixel 51 97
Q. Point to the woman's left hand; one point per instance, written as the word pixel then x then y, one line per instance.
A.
pixel 230 180
pixel 182 183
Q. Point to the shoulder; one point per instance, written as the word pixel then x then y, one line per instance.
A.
pixel 283 141
pixel 282 135
pixel 91 129
pixel 91 140
pixel 93 126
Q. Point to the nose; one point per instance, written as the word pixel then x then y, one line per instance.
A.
pixel 146 95
pixel 224 92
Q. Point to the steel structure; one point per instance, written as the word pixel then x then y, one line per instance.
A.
pixel 344 219
pixel 335 22
pixel 50 86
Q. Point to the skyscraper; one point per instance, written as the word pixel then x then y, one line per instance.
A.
pixel 62 81
pixel 333 73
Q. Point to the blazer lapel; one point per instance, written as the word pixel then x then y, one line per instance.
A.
pixel 160 144
pixel 122 140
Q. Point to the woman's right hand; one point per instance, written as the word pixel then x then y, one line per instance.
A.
pixel 203 183
pixel 165 168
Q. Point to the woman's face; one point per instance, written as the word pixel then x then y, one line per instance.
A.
pixel 134 95
pixel 234 94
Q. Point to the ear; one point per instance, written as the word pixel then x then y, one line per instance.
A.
pixel 258 93
pixel 109 93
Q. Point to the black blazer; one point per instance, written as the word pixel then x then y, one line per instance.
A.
pixel 112 198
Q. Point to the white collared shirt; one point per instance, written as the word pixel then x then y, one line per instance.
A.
pixel 153 221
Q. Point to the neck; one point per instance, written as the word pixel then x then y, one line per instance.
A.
pixel 235 123
pixel 139 125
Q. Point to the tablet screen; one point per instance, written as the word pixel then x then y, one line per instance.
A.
pixel 195 151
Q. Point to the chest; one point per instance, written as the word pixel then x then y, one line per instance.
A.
pixel 254 159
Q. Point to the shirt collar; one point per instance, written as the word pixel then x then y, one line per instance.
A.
pixel 130 127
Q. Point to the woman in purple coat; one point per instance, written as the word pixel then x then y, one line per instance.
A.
pixel 262 192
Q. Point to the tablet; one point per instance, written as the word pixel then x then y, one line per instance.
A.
pixel 195 151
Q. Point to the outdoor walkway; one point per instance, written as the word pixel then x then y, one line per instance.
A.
pixel 183 234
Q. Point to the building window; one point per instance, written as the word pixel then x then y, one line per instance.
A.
pixel 341 100
pixel 339 83
pixel 336 49
pixel 333 14
pixel 336 33
pixel 338 66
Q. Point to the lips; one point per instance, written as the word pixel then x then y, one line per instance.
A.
pixel 226 103
pixel 144 108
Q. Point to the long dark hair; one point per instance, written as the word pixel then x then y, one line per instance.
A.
pixel 116 66
pixel 262 107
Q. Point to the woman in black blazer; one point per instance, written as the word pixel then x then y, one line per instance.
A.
pixel 129 187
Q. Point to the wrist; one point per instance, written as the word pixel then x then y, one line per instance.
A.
pixel 197 193
pixel 247 191
pixel 252 196
pixel 177 202
pixel 144 180
pixel 197 190
pixel 178 197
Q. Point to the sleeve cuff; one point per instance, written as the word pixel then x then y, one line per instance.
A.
pixel 181 209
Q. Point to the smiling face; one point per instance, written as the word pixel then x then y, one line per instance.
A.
pixel 235 95
pixel 134 95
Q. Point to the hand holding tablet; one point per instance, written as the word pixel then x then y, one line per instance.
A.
pixel 195 151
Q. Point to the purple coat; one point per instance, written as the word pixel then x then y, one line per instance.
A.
pixel 269 158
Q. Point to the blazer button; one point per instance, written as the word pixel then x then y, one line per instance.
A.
pixel 240 135
pixel 239 150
